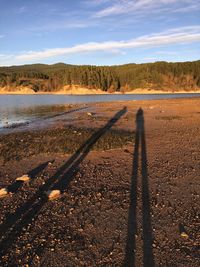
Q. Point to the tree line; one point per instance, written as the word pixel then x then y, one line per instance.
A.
pixel 158 75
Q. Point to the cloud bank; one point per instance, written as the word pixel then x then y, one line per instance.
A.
pixel 175 36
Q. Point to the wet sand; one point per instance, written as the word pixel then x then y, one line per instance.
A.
pixel 129 177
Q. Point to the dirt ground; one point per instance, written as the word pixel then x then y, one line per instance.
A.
pixel 129 178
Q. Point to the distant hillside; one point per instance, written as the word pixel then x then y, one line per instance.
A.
pixel 50 78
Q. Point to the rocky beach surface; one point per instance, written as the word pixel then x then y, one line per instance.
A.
pixel 127 183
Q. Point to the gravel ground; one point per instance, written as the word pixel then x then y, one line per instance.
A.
pixel 130 188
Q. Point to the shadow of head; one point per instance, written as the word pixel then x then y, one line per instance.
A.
pixel 140 113
pixel 140 117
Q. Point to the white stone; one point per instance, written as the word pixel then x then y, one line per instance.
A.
pixel 52 194
pixel 23 178
pixel 3 192
pixel 183 234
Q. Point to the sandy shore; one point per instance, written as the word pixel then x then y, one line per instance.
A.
pixel 77 91
pixel 129 182
pixel 86 91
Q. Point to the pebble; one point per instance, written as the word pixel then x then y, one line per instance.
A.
pixel 183 234
pixel 52 194
pixel 23 178
pixel 99 195
pixel 3 192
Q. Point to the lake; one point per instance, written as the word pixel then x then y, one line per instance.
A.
pixel 20 109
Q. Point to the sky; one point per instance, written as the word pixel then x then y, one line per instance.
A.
pixel 98 32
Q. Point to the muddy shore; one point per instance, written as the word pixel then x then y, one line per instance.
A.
pixel 129 178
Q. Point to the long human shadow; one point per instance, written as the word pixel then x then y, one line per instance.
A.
pixel 130 250
pixel 14 224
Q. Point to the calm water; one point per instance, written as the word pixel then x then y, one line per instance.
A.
pixel 19 109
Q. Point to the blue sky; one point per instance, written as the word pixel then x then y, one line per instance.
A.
pixel 99 32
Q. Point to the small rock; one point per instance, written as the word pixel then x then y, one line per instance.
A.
pixel 17 251
pixel 3 192
pixel 52 194
pixel 89 113
pixel 183 234
pixel 99 195
pixel 183 231
pixel 23 178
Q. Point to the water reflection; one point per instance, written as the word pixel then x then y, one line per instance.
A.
pixel 18 116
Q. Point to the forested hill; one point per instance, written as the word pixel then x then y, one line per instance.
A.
pixel 158 75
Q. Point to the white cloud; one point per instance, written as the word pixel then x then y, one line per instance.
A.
pixel 168 53
pixel 6 60
pixel 140 6
pixel 97 2
pixel 174 36
pixel 149 59
pixel 59 25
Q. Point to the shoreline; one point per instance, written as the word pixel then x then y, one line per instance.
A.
pixel 85 91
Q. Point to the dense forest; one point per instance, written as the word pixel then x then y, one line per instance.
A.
pixel 49 78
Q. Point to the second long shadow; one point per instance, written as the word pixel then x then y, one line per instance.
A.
pixel 130 250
